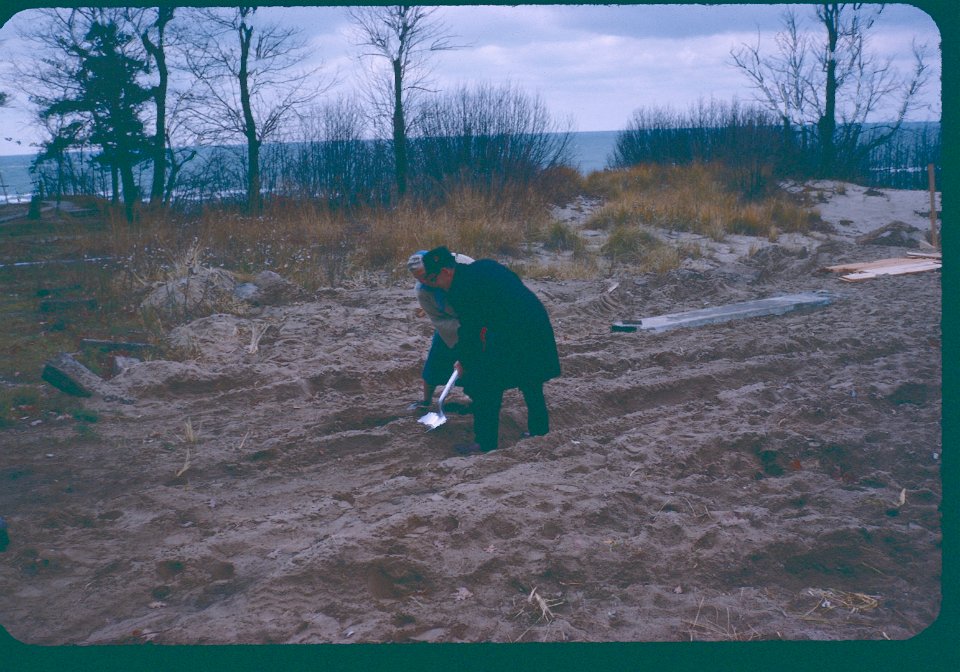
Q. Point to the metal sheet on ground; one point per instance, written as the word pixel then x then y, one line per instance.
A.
pixel 776 305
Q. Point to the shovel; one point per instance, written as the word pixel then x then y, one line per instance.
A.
pixel 433 420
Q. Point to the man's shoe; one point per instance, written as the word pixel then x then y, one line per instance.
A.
pixel 468 449
pixel 527 435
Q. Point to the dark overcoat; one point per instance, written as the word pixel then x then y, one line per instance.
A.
pixel 505 336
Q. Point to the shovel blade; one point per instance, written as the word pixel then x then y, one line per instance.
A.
pixel 432 420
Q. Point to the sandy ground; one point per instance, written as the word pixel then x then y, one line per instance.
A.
pixel 777 477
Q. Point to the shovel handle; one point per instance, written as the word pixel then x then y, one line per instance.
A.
pixel 446 388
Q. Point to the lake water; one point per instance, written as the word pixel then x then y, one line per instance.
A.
pixel 15 183
pixel 589 150
pixel 592 149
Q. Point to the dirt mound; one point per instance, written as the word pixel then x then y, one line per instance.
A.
pixel 894 234
pixel 204 291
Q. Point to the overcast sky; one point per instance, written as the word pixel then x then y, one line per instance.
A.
pixel 592 65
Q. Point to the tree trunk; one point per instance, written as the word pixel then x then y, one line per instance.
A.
pixel 254 203
pixel 114 184
pixel 159 150
pixel 827 124
pixel 399 130
pixel 130 190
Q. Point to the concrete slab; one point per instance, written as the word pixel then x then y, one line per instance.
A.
pixel 776 305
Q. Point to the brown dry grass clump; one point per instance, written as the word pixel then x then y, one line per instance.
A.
pixel 315 246
pixel 477 223
pixel 695 198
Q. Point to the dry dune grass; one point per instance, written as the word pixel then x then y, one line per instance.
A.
pixel 315 246
pixel 692 198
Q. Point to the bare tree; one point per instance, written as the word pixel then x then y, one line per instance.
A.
pixel 248 82
pixel 154 42
pixel 180 142
pixel 334 162
pixel 404 36
pixel 832 87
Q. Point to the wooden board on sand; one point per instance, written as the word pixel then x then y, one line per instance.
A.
pixel 901 269
pixel 892 262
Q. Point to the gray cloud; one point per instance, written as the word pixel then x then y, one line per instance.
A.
pixel 596 64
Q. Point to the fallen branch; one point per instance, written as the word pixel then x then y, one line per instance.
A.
pixel 545 606
pixel 190 438
pixel 717 630
pixel 256 333
pixel 244 439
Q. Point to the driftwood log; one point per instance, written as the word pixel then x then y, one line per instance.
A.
pixel 113 346
pixel 70 376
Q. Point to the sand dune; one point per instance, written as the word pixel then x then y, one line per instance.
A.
pixel 777 477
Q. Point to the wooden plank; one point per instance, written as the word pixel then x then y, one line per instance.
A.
pixel 70 376
pixel 870 265
pixel 925 255
pixel 59 305
pixel 112 346
pixel 903 269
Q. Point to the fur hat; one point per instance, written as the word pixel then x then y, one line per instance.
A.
pixel 415 262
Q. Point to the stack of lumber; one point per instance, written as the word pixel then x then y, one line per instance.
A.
pixel 914 262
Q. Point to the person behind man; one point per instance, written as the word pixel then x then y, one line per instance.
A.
pixel 505 341
pixel 433 301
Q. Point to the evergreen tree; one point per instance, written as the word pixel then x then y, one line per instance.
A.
pixel 109 100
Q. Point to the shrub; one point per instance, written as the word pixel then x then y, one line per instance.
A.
pixel 697 198
pixel 629 244
pixel 559 185
pixel 487 138
pixel 561 237
pixel 748 139
pixel 612 215
pixel 661 259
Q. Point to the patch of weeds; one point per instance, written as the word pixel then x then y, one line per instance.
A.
pixel 611 217
pixel 84 415
pixel 661 259
pixel 582 268
pixel 750 221
pixel 629 244
pixel 401 619
pixel 690 250
pixel 16 401
pixel 86 432
pixel 85 421
pixel 562 237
